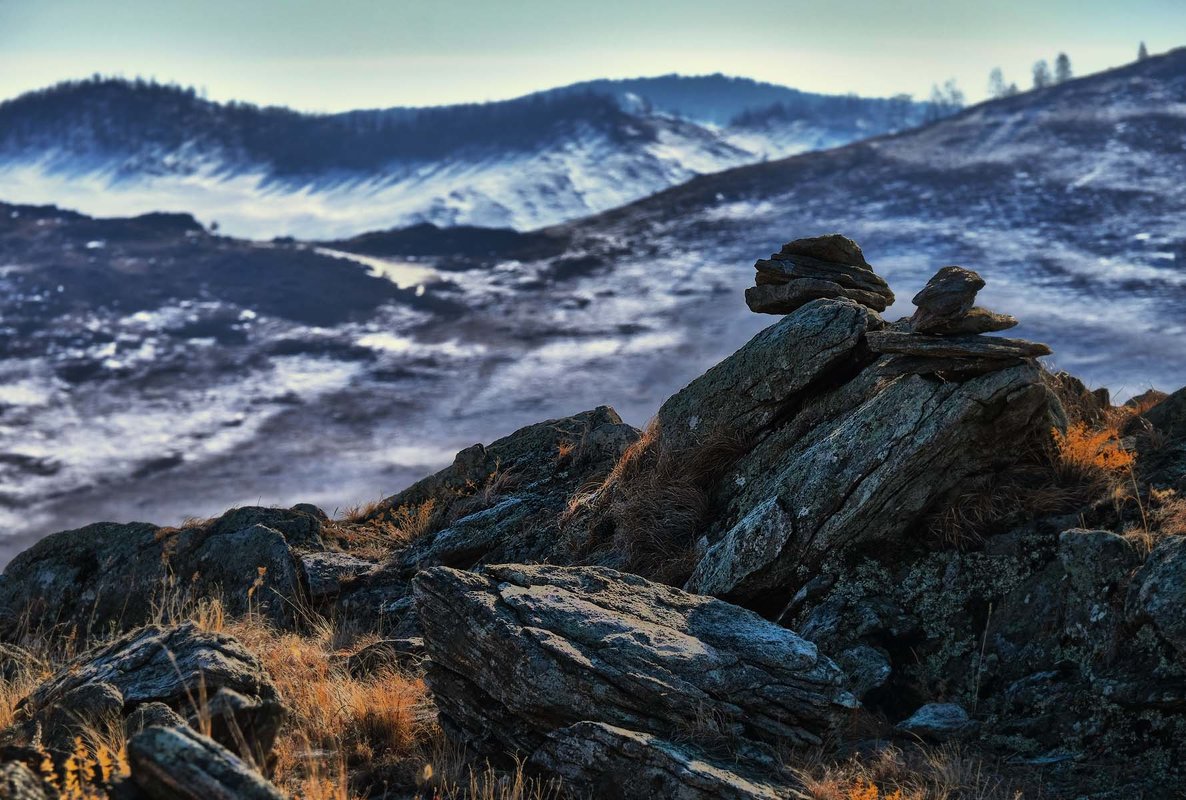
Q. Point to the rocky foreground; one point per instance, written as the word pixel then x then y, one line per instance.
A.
pixel 857 558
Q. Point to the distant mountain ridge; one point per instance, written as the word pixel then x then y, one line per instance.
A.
pixel 109 146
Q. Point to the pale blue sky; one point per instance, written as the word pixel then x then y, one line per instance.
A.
pixel 353 53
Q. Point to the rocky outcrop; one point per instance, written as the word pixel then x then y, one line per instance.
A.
pixel 824 267
pixel 863 477
pixel 107 576
pixel 496 502
pixel 520 651
pixel 18 782
pixel 605 761
pixel 170 666
pixel 178 763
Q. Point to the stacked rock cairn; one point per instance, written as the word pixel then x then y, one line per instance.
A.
pixel 943 336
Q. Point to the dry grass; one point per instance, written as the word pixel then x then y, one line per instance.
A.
pixel 647 513
pixel 382 718
pixel 934 774
pixel 1090 455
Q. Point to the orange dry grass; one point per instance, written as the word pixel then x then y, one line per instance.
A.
pixel 939 774
pixel 647 513
pixel 1089 453
pixel 382 717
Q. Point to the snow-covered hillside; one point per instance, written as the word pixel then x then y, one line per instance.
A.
pixel 117 148
pixel 151 370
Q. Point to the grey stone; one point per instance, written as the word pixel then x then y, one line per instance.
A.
pixel 832 247
pixel 938 721
pixel 835 481
pixel 946 298
pixel 977 347
pixel 779 269
pixel 609 762
pixel 867 667
pixel 246 725
pixel 519 651
pixel 1157 593
pixel 977 320
pixel 18 782
pixel 180 764
pixel 326 571
pixel 167 665
pixel 786 298
pixel 151 714
pixel 744 393
pixel 115 577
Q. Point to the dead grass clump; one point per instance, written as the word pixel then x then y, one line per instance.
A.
pixel 381 717
pixel 934 774
pixel 646 515
pixel 1090 455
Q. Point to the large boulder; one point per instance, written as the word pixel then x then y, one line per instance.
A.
pixel 519 651
pixel 863 466
pixel 109 576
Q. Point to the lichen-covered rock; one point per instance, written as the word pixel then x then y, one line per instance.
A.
pixel 610 762
pixel 788 297
pixel 832 247
pixel 180 764
pixel 1158 593
pixel 739 397
pixel 155 664
pixel 866 475
pixel 107 576
pixel 519 651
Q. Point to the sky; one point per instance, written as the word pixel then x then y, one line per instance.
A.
pixel 333 56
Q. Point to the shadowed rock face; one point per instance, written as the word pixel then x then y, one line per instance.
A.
pixel 518 651
pixel 107 575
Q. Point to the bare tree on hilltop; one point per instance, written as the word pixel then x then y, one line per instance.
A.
pixel 997 88
pixel 1042 77
pixel 945 100
pixel 1062 68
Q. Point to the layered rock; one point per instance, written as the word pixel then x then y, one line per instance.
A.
pixel 822 485
pixel 824 267
pixel 518 652
pixel 942 337
pixel 178 763
pixel 496 502
pixel 155 665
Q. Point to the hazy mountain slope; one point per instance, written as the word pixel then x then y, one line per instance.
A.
pixel 356 377
pixel 114 147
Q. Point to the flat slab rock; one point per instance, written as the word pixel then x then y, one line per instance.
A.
pixel 518 651
pixel 614 762
pixel 831 247
pixel 785 298
pixel 974 347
